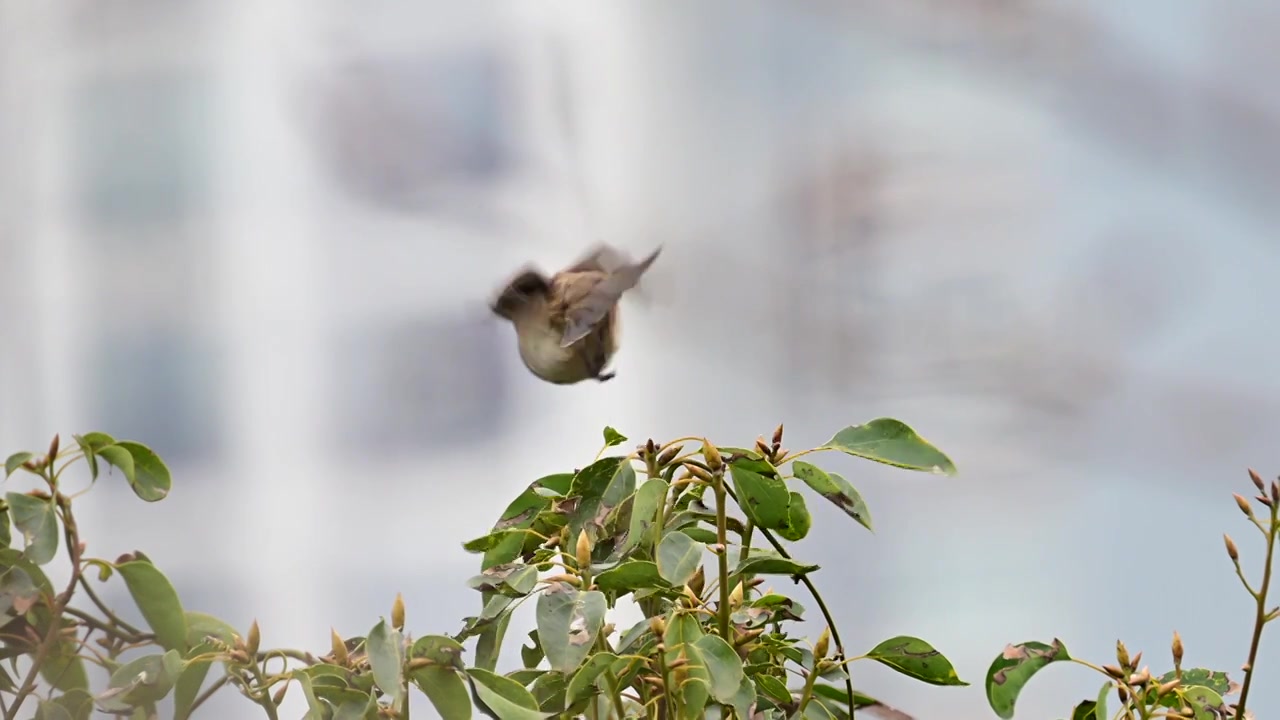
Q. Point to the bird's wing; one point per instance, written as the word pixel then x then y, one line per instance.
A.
pixel 588 296
pixel 582 301
pixel 601 258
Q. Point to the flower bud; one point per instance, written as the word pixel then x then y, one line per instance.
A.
pixel 1231 547
pixel 669 454
pixel 279 696
pixel 1177 648
pixel 583 550
pixel 763 448
pixel 824 643
pixel 1275 491
pixel 1264 500
pixel 53 448
pixel 650 447
pixel 338 648
pixel 397 612
pixel 1122 654
pixel 255 639
pixel 777 436
pixel 735 597
pixel 1114 671
pixel 712 455
pixel 1257 479
pixel 658 625
pixel 1243 505
pixel 1168 687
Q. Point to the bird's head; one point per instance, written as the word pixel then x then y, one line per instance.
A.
pixel 519 292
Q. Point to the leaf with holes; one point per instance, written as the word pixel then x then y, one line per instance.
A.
pixel 568 622
pixel 916 658
pixel 836 489
pixel 1011 671
pixel 36 519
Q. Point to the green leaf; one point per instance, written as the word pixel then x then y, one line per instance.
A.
pixel 613 437
pixel 589 487
pixel 158 602
pixel 744 698
pixel 1205 703
pixel 798 519
pixel 916 658
pixel 76 704
pixel 1014 667
pixel 144 681
pixel 18 591
pixel 355 708
pixel 631 576
pixel 446 689
pixel 520 515
pixel 489 646
pixel 836 489
pixel 568 622
pixel 63 668
pixel 510 579
pixel 724 666
pixel 682 630
pixel 678 558
pixel 90 444
pixel 549 690
pixel 891 442
pixel 315 708
pixel 532 655
pixel 187 687
pixel 508 699
pixel 764 562
pixel 497 539
pixel 386 657
pixel 766 609
pixel 1086 710
pixel 5 537
pixel 36 519
pixel 582 683
pixel 773 688
pixel 644 511
pixel 15 461
pixel 841 696
pixel 203 625
pixel 121 459
pixel 150 478
pixel 696 689
pixel 764 499
pixel 48 710
pixel 1100 706
pixel 1215 680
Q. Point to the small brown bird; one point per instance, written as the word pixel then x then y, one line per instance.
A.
pixel 567 326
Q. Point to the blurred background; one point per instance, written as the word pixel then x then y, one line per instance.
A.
pixel 261 238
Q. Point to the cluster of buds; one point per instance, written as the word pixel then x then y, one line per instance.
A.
pixel 1139 683
pixel 1271 499
pixel 772 451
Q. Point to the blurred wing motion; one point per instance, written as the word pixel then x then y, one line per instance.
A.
pixel 592 287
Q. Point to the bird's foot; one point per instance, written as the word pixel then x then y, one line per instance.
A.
pixel 605 377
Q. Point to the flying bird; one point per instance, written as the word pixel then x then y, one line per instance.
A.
pixel 567 325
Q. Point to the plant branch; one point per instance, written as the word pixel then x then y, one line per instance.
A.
pixel 1260 619
pixel 822 607
pixel 208 693
pixel 722 557
pixel 72 537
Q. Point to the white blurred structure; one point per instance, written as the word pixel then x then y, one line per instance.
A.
pixel 260 238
